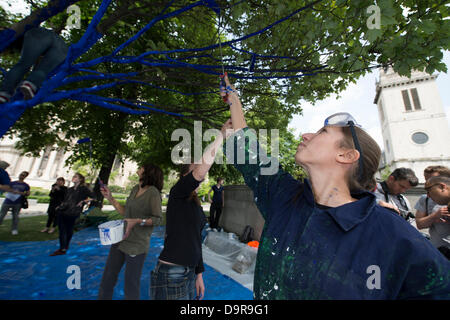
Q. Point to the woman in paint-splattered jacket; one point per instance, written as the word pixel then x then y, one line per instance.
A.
pixel 326 238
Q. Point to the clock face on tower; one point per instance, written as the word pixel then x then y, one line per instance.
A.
pixel 420 137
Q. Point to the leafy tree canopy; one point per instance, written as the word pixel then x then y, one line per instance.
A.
pixel 330 41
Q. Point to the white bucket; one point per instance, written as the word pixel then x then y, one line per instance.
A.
pixel 111 232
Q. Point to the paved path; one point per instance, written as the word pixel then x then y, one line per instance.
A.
pixel 39 209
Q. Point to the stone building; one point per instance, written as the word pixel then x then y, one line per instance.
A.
pixel 413 121
pixel 50 164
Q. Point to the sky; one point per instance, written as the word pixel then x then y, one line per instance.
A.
pixel 357 99
pixel 15 6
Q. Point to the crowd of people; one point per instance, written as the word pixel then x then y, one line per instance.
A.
pixel 321 236
pixel 429 214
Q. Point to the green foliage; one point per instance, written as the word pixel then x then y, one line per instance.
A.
pixel 169 181
pixel 333 34
pixel 116 189
pixel 132 181
pixel 85 169
pixel 386 172
pixel 205 188
pixel 40 199
pixel 39 194
pixel 38 191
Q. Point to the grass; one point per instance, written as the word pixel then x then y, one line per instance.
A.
pixel 29 230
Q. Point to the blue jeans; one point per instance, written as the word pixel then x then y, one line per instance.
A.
pixel 168 282
pixel 15 208
pixel 37 42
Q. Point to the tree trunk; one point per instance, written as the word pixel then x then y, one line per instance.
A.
pixel 117 121
pixel 103 175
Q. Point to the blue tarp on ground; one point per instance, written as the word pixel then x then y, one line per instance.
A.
pixel 28 272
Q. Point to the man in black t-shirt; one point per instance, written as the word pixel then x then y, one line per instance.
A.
pixel 217 203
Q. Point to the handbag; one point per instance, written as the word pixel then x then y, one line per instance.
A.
pixel 24 203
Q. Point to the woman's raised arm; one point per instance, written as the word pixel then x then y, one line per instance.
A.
pixel 200 170
pixel 237 114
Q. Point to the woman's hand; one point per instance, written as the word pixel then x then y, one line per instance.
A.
pixel 83 202
pixel 441 215
pixel 106 193
pixel 200 286
pixel 130 225
pixel 237 114
pixel 230 92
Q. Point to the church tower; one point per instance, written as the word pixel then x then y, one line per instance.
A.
pixel 413 122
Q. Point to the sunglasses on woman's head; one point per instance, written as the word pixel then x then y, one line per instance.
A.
pixel 344 119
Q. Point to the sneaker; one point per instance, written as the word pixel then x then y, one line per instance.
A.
pixel 51 230
pixel 28 90
pixel 58 253
pixel 44 230
pixel 14 232
pixel 4 97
